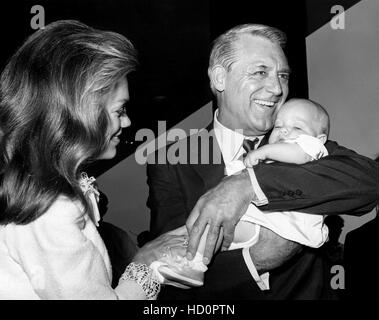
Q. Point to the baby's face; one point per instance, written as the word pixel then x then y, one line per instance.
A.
pixel 294 118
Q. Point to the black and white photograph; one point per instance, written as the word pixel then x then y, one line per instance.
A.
pixel 196 154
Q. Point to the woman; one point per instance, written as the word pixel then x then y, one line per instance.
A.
pixel 62 105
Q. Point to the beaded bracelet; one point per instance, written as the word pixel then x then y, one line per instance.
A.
pixel 145 277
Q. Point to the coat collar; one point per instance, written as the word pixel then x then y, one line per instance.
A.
pixel 211 168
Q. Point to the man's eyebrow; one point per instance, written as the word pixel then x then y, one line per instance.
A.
pixel 263 66
pixel 260 65
pixel 257 65
pixel 285 70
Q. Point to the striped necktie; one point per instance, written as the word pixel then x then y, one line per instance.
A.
pixel 249 145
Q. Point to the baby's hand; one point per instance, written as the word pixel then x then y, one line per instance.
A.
pixel 253 158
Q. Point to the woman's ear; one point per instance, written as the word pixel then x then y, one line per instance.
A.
pixel 217 76
pixel 322 137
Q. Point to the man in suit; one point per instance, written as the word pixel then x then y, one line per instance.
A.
pixel 249 77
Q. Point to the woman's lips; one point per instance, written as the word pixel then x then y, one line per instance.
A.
pixel 115 139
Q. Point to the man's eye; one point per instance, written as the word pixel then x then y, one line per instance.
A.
pixel 284 76
pixel 297 128
pixel 259 73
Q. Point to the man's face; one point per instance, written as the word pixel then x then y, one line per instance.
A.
pixel 255 87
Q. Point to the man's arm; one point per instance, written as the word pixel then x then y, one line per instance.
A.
pixel 168 211
pixel 341 183
pixel 271 250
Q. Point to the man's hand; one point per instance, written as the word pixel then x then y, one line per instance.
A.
pixel 221 208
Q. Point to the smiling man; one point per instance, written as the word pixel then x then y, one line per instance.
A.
pixel 249 74
pixel 251 86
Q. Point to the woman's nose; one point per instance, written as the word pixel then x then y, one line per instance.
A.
pixel 125 121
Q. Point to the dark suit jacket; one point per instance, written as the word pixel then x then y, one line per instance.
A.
pixel 342 182
pixel 361 261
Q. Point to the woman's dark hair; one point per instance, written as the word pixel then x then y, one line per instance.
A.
pixel 53 120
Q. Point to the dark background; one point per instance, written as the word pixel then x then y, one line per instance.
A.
pixel 173 38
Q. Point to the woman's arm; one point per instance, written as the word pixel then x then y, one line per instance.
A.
pixel 60 260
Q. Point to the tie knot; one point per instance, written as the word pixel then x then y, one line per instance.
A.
pixel 249 145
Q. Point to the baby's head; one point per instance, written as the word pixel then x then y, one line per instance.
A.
pixel 300 116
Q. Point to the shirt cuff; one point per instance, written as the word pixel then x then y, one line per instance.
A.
pixel 259 198
pixel 261 280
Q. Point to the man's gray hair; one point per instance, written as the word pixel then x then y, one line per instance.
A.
pixel 224 49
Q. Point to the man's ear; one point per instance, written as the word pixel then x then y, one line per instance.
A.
pixel 322 137
pixel 217 77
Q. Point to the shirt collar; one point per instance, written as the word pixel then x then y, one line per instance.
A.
pixel 230 141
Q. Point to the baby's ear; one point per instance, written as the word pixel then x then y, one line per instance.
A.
pixel 322 137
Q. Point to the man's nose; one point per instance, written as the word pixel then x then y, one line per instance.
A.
pixel 125 121
pixel 274 86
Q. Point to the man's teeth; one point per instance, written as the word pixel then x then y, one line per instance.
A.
pixel 265 103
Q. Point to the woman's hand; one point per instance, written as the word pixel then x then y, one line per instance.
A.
pixel 172 242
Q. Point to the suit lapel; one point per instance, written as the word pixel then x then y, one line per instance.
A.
pixel 210 167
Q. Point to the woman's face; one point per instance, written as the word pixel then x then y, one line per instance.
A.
pixel 118 119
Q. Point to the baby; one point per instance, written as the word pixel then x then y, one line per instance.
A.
pixel 301 128
pixel 300 131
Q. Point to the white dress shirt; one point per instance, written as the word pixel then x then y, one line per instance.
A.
pixel 230 143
